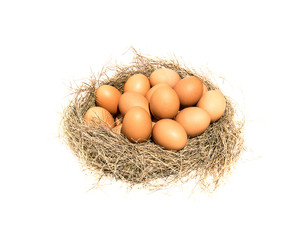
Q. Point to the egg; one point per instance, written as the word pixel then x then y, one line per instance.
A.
pixel 189 90
pixel 117 129
pixel 164 103
pixel 153 89
pixel 99 116
pixel 214 103
pixel 169 134
pixel 138 83
pixel 194 120
pixel 137 125
pixel 108 97
pixel 164 75
pixel 132 99
pixel 205 89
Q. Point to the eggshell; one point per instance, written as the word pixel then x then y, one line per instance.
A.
pixel 169 134
pixel 194 120
pixel 164 103
pixel 164 75
pixel 129 100
pixel 153 89
pixel 108 97
pixel 189 90
pixel 205 89
pixel 214 103
pixel 137 125
pixel 117 129
pixel 99 116
pixel 138 83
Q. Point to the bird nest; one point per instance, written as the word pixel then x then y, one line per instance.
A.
pixel 207 158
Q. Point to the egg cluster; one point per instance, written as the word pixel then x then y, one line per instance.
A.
pixel 164 106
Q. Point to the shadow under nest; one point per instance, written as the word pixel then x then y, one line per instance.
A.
pixel 207 158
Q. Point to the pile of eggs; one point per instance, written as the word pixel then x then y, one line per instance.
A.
pixel 164 106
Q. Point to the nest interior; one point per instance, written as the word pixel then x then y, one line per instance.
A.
pixel 207 158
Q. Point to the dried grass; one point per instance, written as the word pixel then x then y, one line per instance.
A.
pixel 207 158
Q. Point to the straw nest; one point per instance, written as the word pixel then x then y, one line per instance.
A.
pixel 207 158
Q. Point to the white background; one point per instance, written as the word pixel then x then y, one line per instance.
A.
pixel 255 45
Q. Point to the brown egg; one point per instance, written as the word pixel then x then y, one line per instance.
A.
pixel 138 83
pixel 99 116
pixel 164 75
pixel 189 90
pixel 137 125
pixel 205 89
pixel 164 103
pixel 169 134
pixel 108 97
pixel 194 120
pixel 214 103
pixel 117 129
pixel 132 99
pixel 153 89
